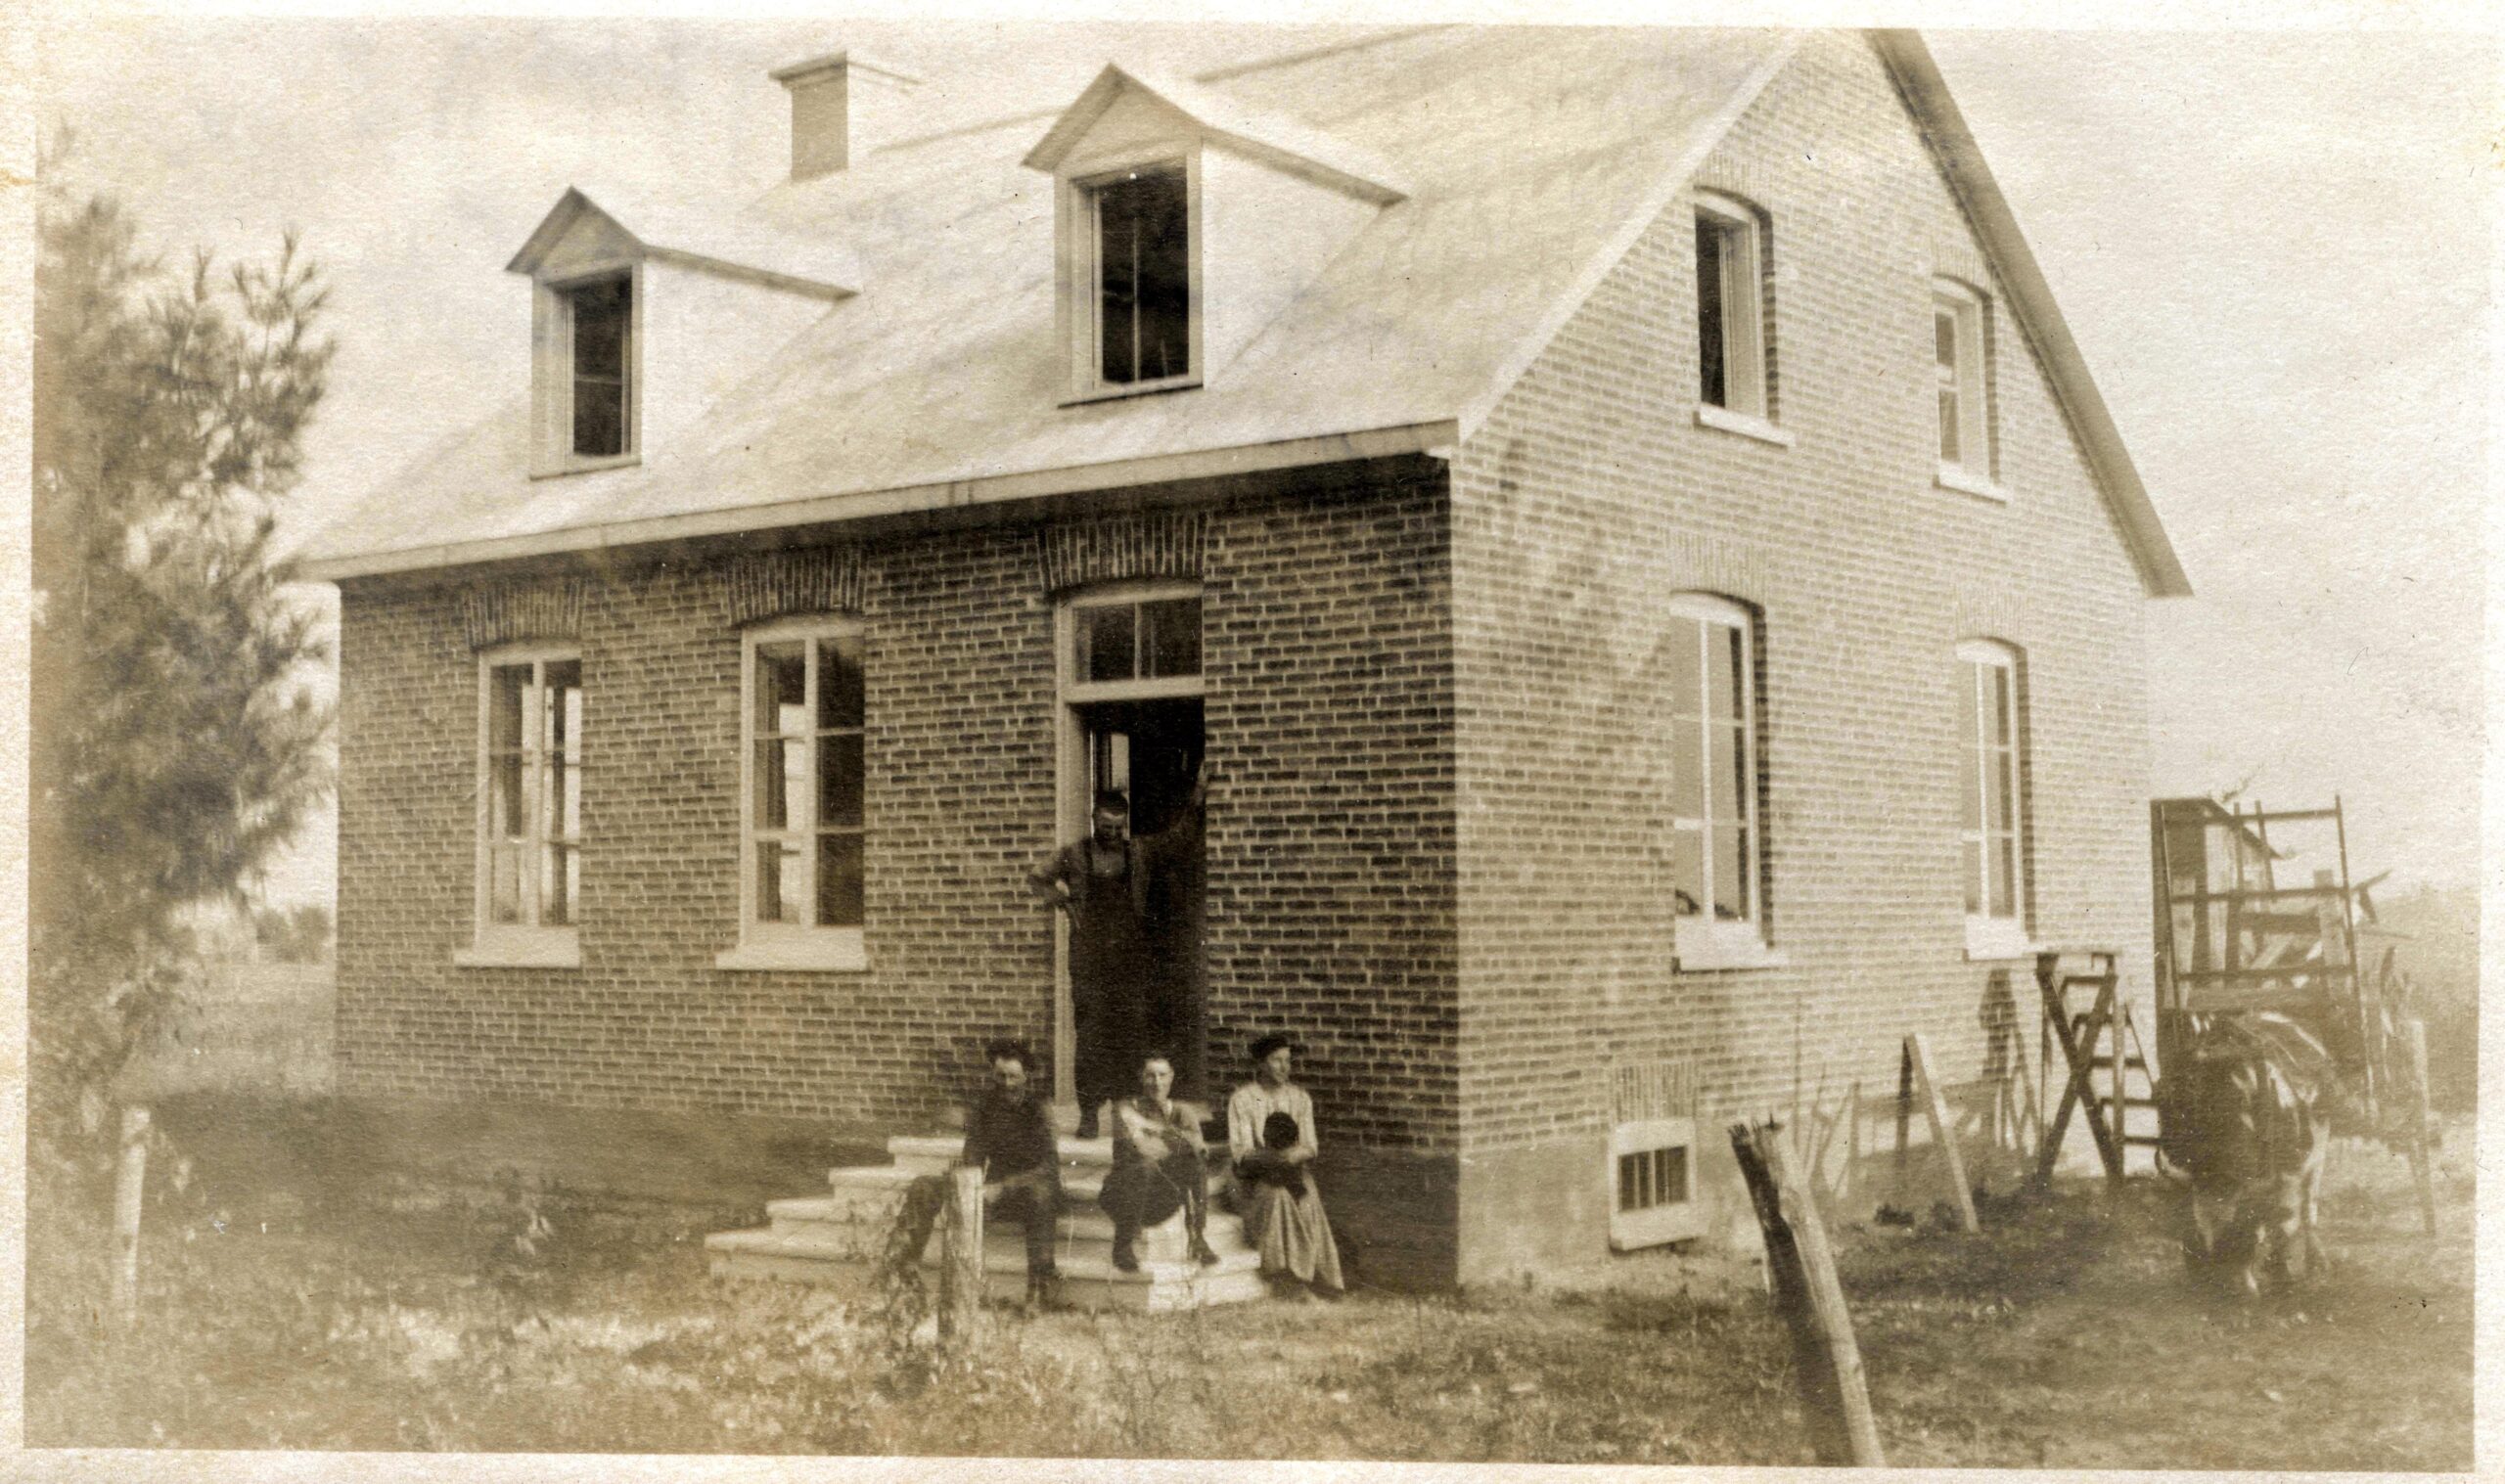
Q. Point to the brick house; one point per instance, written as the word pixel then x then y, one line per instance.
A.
pixel 1617 515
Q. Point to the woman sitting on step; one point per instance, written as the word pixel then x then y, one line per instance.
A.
pixel 1283 1216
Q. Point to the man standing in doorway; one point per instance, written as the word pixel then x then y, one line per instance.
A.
pixel 1102 882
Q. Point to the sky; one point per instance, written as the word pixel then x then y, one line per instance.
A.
pixel 2272 247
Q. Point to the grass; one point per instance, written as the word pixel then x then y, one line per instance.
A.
pixel 288 1304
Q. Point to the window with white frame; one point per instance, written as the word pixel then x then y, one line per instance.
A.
pixel 1131 294
pixel 802 784
pixel 1130 643
pixel 1963 390
pixel 585 372
pixel 1991 799
pixel 1715 844
pixel 1730 309
pixel 529 861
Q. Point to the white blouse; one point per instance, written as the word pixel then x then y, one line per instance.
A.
pixel 1252 1106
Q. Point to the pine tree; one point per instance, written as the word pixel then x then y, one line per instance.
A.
pixel 174 745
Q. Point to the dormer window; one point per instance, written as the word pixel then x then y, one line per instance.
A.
pixel 603 315
pixel 1157 292
pixel 587 371
pixel 1132 294
pixel 1143 275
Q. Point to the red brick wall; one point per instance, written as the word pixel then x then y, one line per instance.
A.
pixel 1590 493
pixel 1329 842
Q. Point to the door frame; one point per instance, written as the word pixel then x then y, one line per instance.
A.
pixel 1073 795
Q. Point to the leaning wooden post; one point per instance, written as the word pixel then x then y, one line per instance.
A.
pixel 1943 1129
pixel 1826 1360
pixel 1904 1125
pixel 131 1177
pixel 2421 1120
pixel 961 1257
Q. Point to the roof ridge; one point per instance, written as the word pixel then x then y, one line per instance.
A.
pixel 1206 78
pixel 1317 53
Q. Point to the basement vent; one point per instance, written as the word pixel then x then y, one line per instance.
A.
pixel 1652 1142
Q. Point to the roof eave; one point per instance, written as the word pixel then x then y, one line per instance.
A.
pixel 2033 306
pixel 1433 438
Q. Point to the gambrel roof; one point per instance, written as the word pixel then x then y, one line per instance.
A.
pixel 1509 167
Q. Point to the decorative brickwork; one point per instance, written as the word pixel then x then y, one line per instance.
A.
pixel 1119 548
pixel 826 579
pixel 523 607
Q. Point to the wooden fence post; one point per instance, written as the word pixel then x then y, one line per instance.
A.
pixel 1826 1359
pixel 1943 1129
pixel 130 1177
pixel 2420 1137
pixel 961 1279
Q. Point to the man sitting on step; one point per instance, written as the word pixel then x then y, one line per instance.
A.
pixel 1158 1167
pixel 1010 1136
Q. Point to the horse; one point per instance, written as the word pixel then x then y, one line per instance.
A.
pixel 2245 1126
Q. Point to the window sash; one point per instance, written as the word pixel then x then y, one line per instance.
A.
pixel 1138 642
pixel 531 808
pixel 1957 366
pixel 1714 771
pixel 804 811
pixel 601 343
pixel 1990 807
pixel 1143 292
pixel 1730 310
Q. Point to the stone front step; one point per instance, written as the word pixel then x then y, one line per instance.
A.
pixel 823 1238
pixel 939 1153
pixel 1087 1281
pixel 836 1219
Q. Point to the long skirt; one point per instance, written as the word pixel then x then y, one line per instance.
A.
pixel 1292 1233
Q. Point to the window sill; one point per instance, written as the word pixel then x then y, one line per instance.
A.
pixel 1718 953
pixel 587 465
pixel 1967 482
pixel 1745 425
pixel 1134 390
pixel 524 948
pixel 1988 940
pixel 838 950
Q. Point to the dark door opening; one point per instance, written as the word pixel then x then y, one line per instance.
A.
pixel 1151 750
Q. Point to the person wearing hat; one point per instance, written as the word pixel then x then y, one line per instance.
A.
pixel 1103 883
pixel 1269 1135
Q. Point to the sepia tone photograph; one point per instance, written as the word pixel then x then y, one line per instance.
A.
pixel 1399 741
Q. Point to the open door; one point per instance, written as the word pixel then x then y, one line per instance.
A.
pixel 1131 719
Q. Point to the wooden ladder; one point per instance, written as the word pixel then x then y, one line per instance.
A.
pixel 2110 1075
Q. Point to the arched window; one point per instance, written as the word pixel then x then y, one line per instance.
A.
pixel 1991 798
pixel 1730 309
pixel 1716 846
pixel 802 775
pixel 1962 373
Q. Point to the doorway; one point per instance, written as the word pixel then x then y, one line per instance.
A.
pixel 1131 718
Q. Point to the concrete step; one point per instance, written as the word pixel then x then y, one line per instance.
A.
pixel 1087 1280
pixel 889 1178
pixel 937 1153
pixel 1085 1222
pixel 880 1187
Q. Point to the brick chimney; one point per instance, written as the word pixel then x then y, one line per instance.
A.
pixel 838 103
